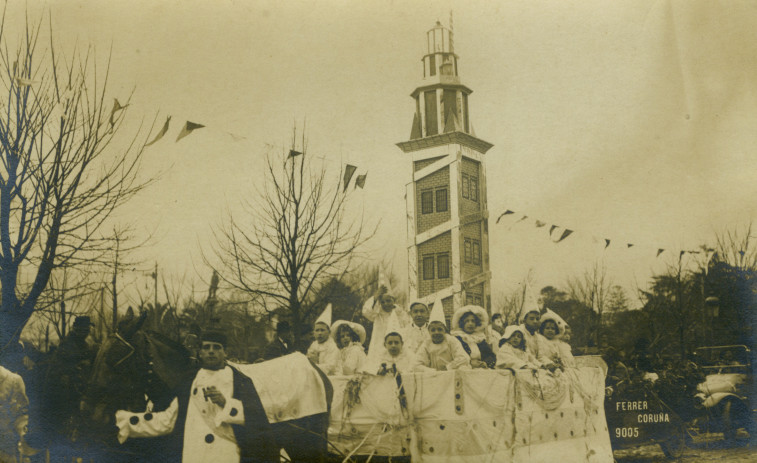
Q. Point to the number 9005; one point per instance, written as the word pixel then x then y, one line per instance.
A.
pixel 626 432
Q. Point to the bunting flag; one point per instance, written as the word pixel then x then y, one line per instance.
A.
pixel 659 251
pixel 507 212
pixel 607 243
pixel 540 224
pixel 161 133
pixel 293 153
pixel 236 137
pixel 188 128
pixel 552 228
pixel 116 107
pixel 522 218
pixel 566 233
pixel 349 171
pixel 360 180
pixel 630 245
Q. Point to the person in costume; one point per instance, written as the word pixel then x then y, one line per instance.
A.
pixel 323 351
pixel 495 330
pixel 378 310
pixel 283 344
pixel 512 351
pixel 349 338
pixel 529 318
pixel 391 358
pixel 14 410
pixel 415 333
pixel 441 351
pixel 217 417
pixel 468 324
pixel 553 350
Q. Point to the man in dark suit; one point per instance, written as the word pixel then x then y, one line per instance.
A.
pixel 282 345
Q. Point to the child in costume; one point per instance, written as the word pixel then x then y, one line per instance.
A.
pixel 349 338
pixel 392 358
pixel 323 351
pixel 552 348
pixel 441 351
pixel 512 352
pixel 468 324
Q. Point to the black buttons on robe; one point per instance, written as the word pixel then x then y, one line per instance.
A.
pixel 233 412
pixel 134 420
pixel 210 438
pixel 148 416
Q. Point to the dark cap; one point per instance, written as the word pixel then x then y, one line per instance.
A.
pixel 82 322
pixel 283 326
pixel 214 336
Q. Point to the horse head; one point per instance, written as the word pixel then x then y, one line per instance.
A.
pixel 131 368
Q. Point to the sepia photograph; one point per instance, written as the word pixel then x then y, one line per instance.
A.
pixel 249 231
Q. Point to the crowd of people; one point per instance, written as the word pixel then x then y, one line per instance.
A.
pixel 425 343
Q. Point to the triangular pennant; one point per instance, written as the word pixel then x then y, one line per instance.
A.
pixel 116 107
pixel 630 245
pixel 161 133
pixel 349 171
pixel 522 219
pixel 607 243
pixel 236 137
pixel 552 228
pixel 188 128
pixel 659 251
pixel 415 131
pixel 566 233
pixel 507 212
pixel 293 153
pixel 360 180
pixel 540 224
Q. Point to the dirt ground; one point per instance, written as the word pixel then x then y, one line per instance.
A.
pixel 718 451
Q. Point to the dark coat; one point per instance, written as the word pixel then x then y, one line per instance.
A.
pixel 487 355
pixel 276 348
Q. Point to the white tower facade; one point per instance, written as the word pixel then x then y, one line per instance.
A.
pixel 447 215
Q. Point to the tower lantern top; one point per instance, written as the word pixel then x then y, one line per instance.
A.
pixel 440 61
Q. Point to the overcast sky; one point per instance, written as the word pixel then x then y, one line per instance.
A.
pixel 634 121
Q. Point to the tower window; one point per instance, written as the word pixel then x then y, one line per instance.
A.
pixel 466 185
pixel 441 200
pixel 467 251
pixel 476 251
pixel 432 64
pixel 473 188
pixel 428 267
pixel 442 265
pixel 427 202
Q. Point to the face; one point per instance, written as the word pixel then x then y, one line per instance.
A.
pixel 469 324
pixel 344 337
pixel 81 331
pixel 516 339
pixel 419 313
pixel 567 334
pixel 212 355
pixel 387 302
pixel 436 330
pixel 393 344
pixel 320 332
pixel 550 329
pixel 498 322
pixel 531 321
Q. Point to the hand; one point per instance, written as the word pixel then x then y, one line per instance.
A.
pixel 313 357
pixel 382 289
pixel 215 396
pixel 477 363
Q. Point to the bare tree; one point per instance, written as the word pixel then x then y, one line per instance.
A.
pixel 292 238
pixel 737 248
pixel 63 169
pixel 592 289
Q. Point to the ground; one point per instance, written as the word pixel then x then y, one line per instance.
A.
pixel 705 450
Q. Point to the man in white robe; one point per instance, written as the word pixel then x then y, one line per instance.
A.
pixel 415 333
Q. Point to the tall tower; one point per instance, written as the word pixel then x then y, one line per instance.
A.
pixel 447 216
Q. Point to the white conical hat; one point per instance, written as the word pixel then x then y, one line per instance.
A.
pixel 437 312
pixel 530 304
pixel 325 316
pixel 551 315
pixel 383 280
pixel 393 324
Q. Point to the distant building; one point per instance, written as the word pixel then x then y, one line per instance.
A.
pixel 447 227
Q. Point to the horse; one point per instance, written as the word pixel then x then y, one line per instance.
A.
pixel 134 368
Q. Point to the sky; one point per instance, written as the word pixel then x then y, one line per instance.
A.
pixel 632 121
